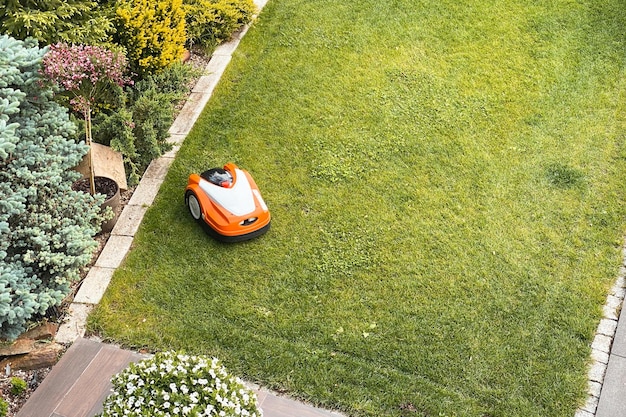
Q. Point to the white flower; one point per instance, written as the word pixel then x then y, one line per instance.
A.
pixel 149 388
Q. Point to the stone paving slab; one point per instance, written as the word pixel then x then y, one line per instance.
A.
pixel 278 406
pixel 602 343
pixel 591 404
pixel 595 388
pixel 74 327
pixel 176 139
pixel 189 114
pixel 129 220
pixel 171 154
pixel 114 251
pixel 158 169
pixel 215 69
pixel 145 192
pixel 78 384
pixel 607 327
pixel 597 371
pixel 227 48
pixel 599 356
pixel 612 307
pixel 94 285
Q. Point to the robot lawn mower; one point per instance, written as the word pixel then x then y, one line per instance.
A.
pixel 228 202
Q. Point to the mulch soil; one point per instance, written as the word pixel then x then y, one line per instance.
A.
pixel 16 401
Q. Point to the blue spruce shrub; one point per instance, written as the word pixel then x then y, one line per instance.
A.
pixel 46 228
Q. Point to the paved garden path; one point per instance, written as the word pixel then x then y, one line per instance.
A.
pixel 79 383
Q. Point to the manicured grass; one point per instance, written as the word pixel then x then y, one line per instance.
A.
pixel 446 181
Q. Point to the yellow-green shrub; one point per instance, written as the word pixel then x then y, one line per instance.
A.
pixel 152 31
pixel 210 22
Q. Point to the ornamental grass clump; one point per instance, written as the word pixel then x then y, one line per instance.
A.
pixel 173 384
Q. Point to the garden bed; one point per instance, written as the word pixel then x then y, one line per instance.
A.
pixel 58 314
pixel 16 401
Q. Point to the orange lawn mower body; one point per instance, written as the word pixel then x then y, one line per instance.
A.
pixel 228 202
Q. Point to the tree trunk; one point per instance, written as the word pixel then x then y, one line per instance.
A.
pixel 92 174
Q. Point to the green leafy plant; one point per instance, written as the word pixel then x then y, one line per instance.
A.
pixel 170 383
pixel 46 228
pixel 4 407
pixel 51 21
pixel 18 386
pixel 210 22
pixel 152 31
pixel 139 128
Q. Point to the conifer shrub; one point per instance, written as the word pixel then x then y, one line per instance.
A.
pixel 51 21
pixel 152 32
pixel 210 22
pixel 139 128
pixel 46 228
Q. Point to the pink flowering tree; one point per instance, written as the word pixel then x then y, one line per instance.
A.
pixel 86 73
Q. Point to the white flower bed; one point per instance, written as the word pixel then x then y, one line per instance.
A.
pixel 171 384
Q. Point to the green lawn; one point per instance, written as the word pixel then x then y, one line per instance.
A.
pixel 446 182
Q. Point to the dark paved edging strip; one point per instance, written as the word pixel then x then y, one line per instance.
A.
pixel 606 386
pixel 612 401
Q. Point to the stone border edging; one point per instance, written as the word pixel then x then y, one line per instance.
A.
pixel 120 241
pixel 603 341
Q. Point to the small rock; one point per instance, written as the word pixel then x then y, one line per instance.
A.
pixel 44 356
pixel 19 347
pixel 41 332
